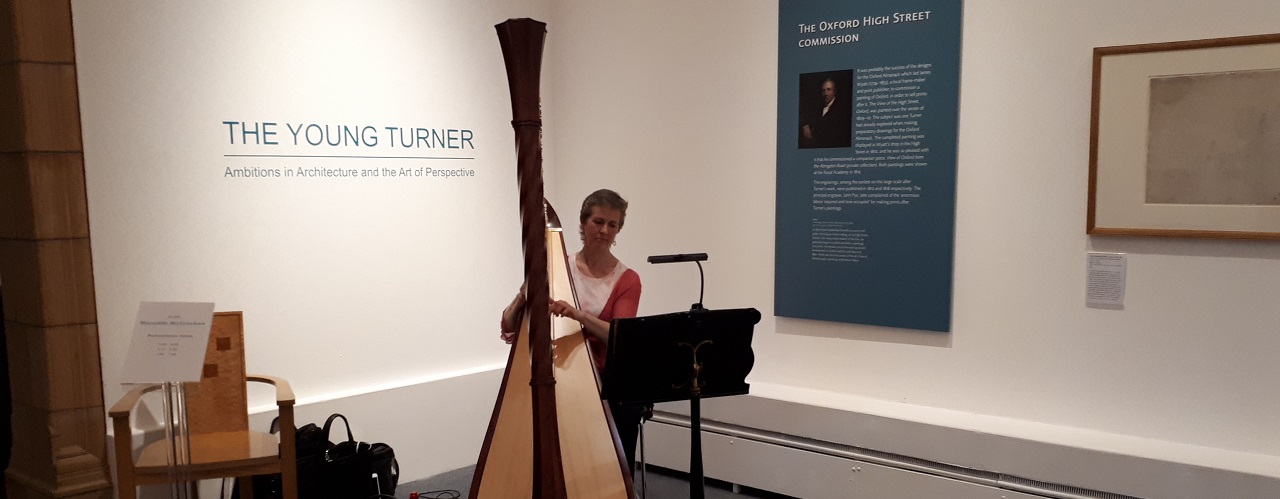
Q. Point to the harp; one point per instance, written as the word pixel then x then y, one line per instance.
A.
pixel 550 435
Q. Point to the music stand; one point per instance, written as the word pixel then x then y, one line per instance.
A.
pixel 681 356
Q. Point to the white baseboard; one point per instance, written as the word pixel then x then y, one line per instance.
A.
pixel 992 452
pixel 435 425
pixel 438 425
pixel 806 474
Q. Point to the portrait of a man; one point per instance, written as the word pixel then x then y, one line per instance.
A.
pixel 826 110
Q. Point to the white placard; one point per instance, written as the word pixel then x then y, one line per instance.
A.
pixel 1105 282
pixel 169 342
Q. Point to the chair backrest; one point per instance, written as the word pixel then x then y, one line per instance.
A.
pixel 219 402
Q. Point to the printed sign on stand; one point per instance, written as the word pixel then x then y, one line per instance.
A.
pixel 169 342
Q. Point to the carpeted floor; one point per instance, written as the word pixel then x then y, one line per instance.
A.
pixel 660 483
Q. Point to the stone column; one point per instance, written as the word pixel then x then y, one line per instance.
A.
pixel 59 425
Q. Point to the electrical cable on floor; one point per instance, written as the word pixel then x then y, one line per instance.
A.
pixel 437 494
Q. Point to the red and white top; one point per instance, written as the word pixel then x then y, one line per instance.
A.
pixel 615 295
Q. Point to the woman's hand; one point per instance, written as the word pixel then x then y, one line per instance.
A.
pixel 564 309
pixel 507 336
pixel 509 326
pixel 591 324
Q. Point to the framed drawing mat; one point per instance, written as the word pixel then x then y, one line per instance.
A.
pixel 1185 139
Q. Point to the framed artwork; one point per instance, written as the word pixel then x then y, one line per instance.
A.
pixel 1185 139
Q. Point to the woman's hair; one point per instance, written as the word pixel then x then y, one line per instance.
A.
pixel 605 198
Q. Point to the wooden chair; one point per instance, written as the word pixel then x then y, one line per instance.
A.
pixel 218 423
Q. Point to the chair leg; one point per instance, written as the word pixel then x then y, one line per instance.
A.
pixel 289 482
pixel 245 484
pixel 126 483
pixel 127 490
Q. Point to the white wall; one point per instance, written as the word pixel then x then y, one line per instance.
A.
pixel 673 103
pixel 345 283
pixel 349 286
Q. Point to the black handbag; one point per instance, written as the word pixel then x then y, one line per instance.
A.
pixel 346 470
pixel 310 444
pixel 357 470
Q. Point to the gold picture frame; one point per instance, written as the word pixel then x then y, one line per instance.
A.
pixel 1185 139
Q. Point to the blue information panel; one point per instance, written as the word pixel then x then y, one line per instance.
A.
pixel 868 104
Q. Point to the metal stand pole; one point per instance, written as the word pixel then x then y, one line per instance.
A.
pixel 697 485
pixel 177 440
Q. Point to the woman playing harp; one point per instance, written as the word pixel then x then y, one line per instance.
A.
pixel 606 289
pixel 550 436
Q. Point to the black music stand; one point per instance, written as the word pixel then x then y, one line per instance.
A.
pixel 682 356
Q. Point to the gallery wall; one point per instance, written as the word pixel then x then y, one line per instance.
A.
pixel 673 103
pixel 353 286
